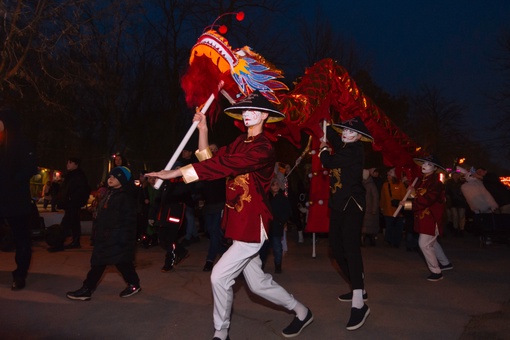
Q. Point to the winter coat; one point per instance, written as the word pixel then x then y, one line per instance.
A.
pixel 115 238
pixel 281 209
pixel 17 165
pixel 455 197
pixel 170 202
pixel 478 197
pixel 74 191
pixel 391 191
pixel 371 218
pixel 213 194
pixel 429 205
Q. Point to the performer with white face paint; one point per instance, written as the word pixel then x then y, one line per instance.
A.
pixel 248 164
pixel 252 118
pixel 428 209
pixel 350 136
pixel 347 204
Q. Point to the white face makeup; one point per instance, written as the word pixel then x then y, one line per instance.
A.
pixel 251 117
pixel 427 168
pixel 349 136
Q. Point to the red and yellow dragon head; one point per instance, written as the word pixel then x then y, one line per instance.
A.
pixel 242 71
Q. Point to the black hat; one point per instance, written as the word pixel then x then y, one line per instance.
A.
pixel 122 173
pixel 355 124
pixel 255 101
pixel 430 159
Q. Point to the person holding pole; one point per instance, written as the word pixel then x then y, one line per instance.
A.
pixel 248 165
pixel 428 208
pixel 347 208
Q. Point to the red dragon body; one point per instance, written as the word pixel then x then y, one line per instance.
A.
pixel 325 92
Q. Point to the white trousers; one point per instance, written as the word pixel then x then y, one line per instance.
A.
pixel 243 257
pixel 432 251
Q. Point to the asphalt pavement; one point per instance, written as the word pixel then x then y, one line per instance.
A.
pixel 471 302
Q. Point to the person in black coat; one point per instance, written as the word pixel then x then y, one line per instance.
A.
pixel 115 239
pixel 170 217
pixel 282 211
pixel 347 203
pixel 73 195
pixel 17 165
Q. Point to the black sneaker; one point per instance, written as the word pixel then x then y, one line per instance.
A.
pixel 358 317
pixel 208 266
pixel 130 290
pixel 72 246
pixel 435 277
pixel 296 326
pixel 448 266
pixel 83 294
pixel 18 283
pixel 181 256
pixel 166 268
pixel 348 297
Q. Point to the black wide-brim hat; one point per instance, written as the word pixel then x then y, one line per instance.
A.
pixel 255 101
pixel 355 124
pixel 430 159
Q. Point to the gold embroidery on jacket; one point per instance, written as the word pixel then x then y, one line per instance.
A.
pixel 241 181
pixel 336 173
pixel 422 214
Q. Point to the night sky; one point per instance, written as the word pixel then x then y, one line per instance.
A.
pixel 446 44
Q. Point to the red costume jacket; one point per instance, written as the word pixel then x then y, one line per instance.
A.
pixel 248 166
pixel 429 205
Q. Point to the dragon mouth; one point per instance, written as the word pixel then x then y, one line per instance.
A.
pixel 214 47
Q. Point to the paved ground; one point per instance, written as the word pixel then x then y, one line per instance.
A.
pixel 472 302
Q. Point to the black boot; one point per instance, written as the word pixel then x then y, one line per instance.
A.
pixel 278 268
pixel 75 244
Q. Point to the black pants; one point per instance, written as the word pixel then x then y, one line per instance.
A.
pixel 168 236
pixel 127 269
pixel 22 235
pixel 345 242
pixel 71 224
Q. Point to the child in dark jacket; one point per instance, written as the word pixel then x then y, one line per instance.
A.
pixel 115 239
